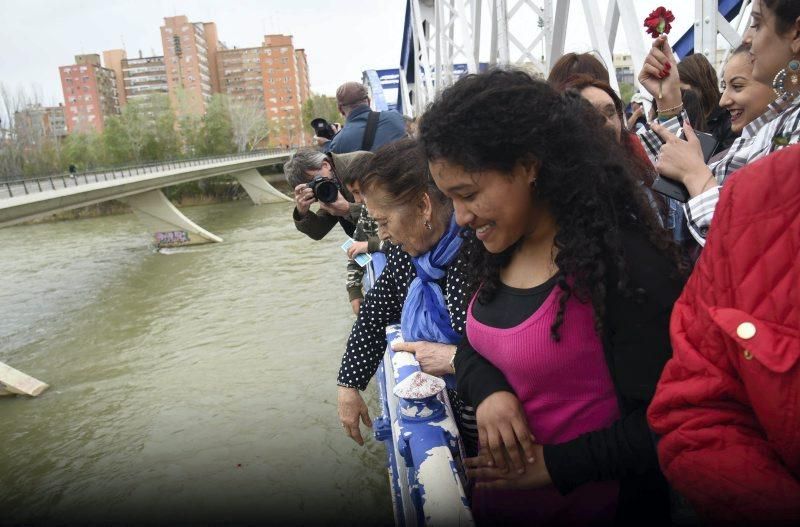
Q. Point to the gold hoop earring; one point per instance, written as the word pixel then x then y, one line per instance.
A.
pixel 788 79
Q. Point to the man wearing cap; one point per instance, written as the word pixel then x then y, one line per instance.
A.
pixel 363 129
pixel 637 119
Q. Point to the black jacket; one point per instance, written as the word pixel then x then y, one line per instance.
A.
pixel 637 346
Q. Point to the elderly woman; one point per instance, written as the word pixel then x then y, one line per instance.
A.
pixel 422 284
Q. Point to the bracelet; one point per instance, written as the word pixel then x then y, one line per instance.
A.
pixel 673 109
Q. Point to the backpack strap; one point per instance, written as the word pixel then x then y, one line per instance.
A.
pixel 370 130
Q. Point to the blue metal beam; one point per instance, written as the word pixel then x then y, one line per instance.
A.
pixel 685 45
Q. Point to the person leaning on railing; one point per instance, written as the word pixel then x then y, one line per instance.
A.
pixel 305 165
pixel 422 284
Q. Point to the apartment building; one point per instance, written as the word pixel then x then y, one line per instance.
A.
pixel 190 58
pixel 273 76
pixel 144 77
pixel 90 94
pixel 37 121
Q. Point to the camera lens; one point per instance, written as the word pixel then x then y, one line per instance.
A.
pixel 326 191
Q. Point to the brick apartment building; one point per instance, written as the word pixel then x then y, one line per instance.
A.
pixel 90 94
pixel 190 57
pixel 195 65
pixel 274 77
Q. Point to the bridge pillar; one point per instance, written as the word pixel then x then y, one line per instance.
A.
pixel 169 226
pixel 259 190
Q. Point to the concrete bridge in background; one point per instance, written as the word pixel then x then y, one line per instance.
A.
pixel 140 187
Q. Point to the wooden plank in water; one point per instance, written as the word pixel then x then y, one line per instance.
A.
pixel 15 381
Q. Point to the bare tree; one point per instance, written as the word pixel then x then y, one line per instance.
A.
pixel 249 123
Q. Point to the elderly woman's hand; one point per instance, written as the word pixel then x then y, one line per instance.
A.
pixel 503 429
pixel 352 408
pixel 433 358
pixel 682 160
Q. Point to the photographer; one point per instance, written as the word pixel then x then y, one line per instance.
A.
pixel 315 177
pixel 363 128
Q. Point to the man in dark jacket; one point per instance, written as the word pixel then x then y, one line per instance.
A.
pixel 352 100
pixel 304 166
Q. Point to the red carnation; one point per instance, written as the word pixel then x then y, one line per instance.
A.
pixel 658 21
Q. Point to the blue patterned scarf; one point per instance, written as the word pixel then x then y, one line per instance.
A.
pixel 425 315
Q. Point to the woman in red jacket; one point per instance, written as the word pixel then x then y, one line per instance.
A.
pixel 728 402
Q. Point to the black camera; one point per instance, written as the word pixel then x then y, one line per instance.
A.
pixel 323 128
pixel 324 189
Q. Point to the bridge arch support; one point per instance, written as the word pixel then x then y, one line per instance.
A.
pixel 170 228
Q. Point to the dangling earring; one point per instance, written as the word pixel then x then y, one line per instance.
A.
pixel 788 79
pixel 533 183
pixel 428 225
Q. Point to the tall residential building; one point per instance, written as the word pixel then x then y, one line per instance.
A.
pixel 112 59
pixel 274 77
pixel 303 80
pixel 190 56
pixel 144 77
pixel 90 94
pixel 37 121
pixel 240 74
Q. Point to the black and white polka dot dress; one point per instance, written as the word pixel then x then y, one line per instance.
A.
pixel 382 306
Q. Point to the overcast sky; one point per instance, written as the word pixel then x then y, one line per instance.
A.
pixel 341 38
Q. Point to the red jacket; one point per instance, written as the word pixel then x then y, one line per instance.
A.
pixel 728 402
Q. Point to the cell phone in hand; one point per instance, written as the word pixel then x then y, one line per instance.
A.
pixel 361 259
pixel 675 189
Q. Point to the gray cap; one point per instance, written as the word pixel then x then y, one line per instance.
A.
pixel 351 93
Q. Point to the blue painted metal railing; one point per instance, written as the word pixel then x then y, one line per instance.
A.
pixel 419 430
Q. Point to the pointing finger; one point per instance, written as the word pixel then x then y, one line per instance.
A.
pixel 663 133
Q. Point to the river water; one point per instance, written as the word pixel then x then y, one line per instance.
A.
pixel 192 387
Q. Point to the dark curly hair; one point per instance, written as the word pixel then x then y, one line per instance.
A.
pixel 491 121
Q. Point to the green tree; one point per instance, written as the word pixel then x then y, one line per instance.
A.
pixel 84 150
pixel 217 135
pixel 320 106
pixel 164 141
pixel 626 91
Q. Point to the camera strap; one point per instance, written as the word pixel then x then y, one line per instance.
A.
pixel 370 130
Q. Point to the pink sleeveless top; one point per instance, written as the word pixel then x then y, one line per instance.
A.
pixel 566 390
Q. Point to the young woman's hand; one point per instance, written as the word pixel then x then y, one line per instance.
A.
pixel 503 429
pixel 682 160
pixel 536 476
pixel 434 358
pixel 660 75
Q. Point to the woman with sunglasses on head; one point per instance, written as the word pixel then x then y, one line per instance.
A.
pixel 775 50
pixel 567 334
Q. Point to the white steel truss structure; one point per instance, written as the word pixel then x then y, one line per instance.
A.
pixel 443 38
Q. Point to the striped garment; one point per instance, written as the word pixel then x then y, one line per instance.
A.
pixel 776 128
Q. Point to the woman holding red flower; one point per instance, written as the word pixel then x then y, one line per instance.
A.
pixel 775 51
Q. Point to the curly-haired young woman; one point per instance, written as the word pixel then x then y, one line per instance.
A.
pixel 568 333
